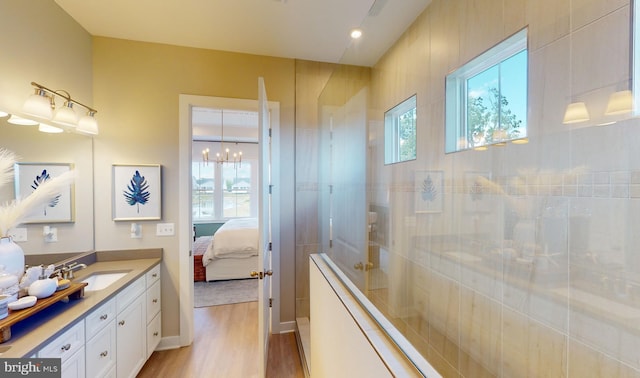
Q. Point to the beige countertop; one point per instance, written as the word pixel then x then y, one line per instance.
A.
pixel 28 335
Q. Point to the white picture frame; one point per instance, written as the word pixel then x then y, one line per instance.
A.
pixel 137 192
pixel 29 175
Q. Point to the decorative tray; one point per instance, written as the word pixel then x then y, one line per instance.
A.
pixel 74 291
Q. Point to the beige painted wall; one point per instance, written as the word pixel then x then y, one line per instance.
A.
pixel 137 87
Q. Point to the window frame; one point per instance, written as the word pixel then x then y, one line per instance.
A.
pixel 456 94
pixel 392 140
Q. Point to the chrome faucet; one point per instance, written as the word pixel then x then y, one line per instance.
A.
pixel 67 270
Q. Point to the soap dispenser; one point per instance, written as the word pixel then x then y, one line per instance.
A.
pixel 43 287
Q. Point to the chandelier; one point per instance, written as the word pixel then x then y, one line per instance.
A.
pixel 225 155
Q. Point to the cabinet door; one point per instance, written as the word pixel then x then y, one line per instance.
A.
pixel 153 301
pixel 131 338
pixel 154 334
pixel 73 367
pixel 101 351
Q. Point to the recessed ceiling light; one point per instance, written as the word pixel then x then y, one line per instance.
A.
pixel 356 33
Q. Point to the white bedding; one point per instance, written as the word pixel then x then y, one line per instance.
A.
pixel 237 238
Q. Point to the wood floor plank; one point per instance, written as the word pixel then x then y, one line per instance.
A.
pixel 226 345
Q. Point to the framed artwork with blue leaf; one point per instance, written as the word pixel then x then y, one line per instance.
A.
pixel 28 176
pixel 477 192
pixel 137 192
pixel 429 187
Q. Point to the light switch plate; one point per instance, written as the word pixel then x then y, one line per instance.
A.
pixel 165 229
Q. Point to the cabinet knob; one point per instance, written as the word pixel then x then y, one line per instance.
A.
pixel 104 317
pixel 155 333
pixel 104 354
pixel 154 275
pixel 121 322
pixel 155 300
pixel 66 347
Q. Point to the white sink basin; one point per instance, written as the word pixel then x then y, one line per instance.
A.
pixel 100 281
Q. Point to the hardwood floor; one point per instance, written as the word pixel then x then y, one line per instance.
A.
pixel 226 345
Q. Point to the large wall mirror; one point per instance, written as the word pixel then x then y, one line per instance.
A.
pixel 33 34
pixel 33 146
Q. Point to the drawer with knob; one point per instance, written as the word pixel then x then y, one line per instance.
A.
pixel 65 345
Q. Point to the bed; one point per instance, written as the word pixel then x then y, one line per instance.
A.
pixel 232 252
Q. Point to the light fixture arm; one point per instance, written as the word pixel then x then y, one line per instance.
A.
pixel 64 94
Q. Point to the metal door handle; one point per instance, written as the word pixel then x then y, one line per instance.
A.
pixel 261 275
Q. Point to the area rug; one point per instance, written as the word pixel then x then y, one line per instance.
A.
pixel 225 292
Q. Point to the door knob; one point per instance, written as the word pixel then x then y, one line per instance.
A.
pixel 368 266
pixel 261 275
pixel 358 266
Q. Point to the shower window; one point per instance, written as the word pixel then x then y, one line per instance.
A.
pixel 400 132
pixel 486 99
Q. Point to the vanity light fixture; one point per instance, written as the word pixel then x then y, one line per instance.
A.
pixel 42 104
pixel 65 115
pixel 88 124
pixel 15 120
pixel 619 103
pixel 39 105
pixel 576 112
pixel 43 127
pixel 520 141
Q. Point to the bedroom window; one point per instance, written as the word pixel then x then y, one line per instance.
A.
pixel 224 191
pixel 486 99
pixel 400 132
pixel 237 190
pixel 203 198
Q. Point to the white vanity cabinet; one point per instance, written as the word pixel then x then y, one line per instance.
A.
pixel 69 347
pixel 116 338
pixel 100 347
pixel 131 341
pixel 154 316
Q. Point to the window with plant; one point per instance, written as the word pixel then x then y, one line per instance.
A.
pixel 486 99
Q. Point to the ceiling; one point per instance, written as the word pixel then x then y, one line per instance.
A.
pixel 315 30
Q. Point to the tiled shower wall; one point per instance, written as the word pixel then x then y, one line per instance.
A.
pixel 540 274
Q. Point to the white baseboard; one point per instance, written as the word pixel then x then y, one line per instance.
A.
pixel 287 327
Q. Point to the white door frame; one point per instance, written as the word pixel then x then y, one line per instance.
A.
pixel 185 231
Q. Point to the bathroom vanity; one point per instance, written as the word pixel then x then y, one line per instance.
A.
pixel 111 331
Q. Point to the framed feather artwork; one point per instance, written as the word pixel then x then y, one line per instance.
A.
pixel 137 192
pixel 429 187
pixel 29 176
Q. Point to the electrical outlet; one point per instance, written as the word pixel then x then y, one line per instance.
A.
pixel 18 234
pixel 165 229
